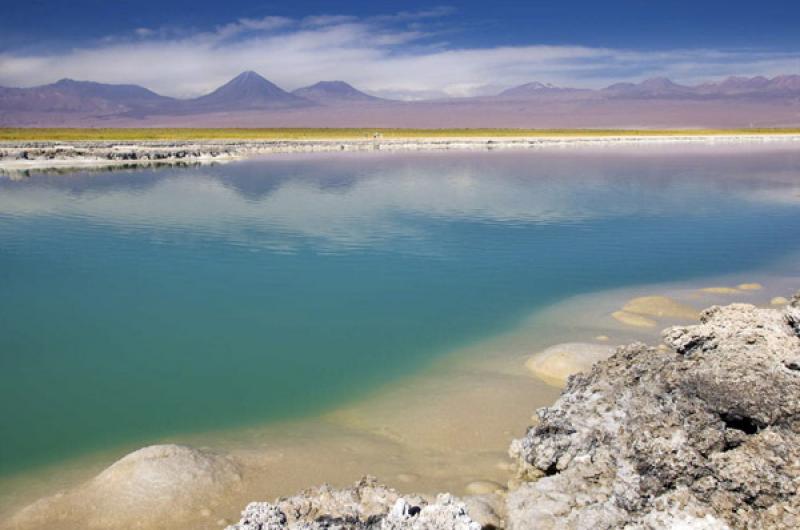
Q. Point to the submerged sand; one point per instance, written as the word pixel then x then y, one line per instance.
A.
pixel 445 429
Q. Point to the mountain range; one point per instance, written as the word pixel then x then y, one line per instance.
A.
pixel 251 100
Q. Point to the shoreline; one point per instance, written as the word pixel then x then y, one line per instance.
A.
pixel 375 433
pixel 18 157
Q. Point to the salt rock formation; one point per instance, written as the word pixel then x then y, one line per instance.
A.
pixel 368 505
pixel 702 434
pixel 160 478
pixel 154 485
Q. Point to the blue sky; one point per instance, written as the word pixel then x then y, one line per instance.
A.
pixel 403 49
pixel 629 23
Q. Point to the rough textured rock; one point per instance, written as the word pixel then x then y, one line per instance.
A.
pixel 702 434
pixel 487 509
pixel 368 505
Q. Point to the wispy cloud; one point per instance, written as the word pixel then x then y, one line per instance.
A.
pixel 402 54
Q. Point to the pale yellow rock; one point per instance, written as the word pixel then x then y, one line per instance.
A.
pixel 483 487
pixel 555 364
pixel 632 319
pixel 779 300
pixel 750 286
pixel 602 338
pixel 720 290
pixel 661 307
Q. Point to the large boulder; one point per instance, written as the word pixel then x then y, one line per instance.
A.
pixel 159 480
pixel 159 485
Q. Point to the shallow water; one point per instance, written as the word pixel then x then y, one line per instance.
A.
pixel 149 305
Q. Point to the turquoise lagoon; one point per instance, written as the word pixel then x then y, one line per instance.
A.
pixel 153 303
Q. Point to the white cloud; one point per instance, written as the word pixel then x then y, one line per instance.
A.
pixel 250 24
pixel 144 32
pixel 327 20
pixel 395 54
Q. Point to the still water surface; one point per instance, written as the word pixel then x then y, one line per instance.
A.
pixel 142 304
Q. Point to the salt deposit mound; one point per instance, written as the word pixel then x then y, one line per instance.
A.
pixel 149 487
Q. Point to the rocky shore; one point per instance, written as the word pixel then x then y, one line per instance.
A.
pixel 21 156
pixel 702 432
